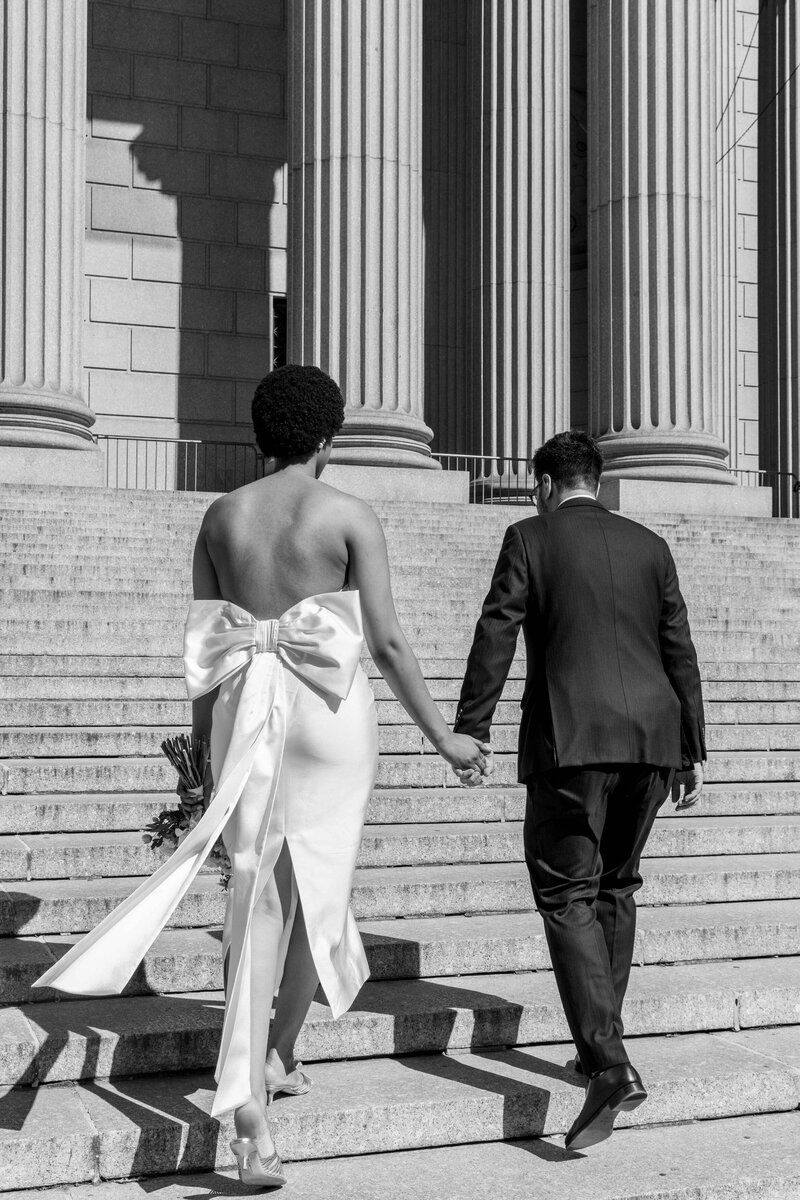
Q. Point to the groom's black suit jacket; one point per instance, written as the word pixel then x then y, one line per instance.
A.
pixel 612 673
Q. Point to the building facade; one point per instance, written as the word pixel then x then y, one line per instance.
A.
pixel 487 219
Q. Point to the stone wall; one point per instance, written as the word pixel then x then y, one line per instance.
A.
pixel 186 212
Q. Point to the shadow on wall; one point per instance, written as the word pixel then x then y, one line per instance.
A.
pixel 187 217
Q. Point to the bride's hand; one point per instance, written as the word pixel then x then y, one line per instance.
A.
pixel 465 753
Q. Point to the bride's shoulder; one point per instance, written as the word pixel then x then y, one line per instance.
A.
pixel 346 504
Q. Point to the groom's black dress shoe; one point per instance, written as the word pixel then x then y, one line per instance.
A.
pixel 609 1092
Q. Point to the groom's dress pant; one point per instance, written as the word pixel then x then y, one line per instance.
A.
pixel 585 830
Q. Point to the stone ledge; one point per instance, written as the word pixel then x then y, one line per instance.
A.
pixel 35 465
pixel 705 499
pixel 399 483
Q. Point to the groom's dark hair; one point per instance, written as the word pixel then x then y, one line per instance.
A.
pixel 295 409
pixel 570 459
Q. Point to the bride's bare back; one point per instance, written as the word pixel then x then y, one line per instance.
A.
pixel 275 542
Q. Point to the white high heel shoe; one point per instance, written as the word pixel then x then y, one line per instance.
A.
pixel 254 1168
pixel 296 1083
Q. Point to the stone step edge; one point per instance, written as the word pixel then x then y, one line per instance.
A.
pixel 112 1131
pixel 109 1037
pixel 188 959
pixel 29 857
pixel 383 893
pixel 752 1156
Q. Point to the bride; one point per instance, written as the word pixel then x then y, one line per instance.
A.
pixel 290 576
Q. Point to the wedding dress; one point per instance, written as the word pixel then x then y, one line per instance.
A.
pixel 294 749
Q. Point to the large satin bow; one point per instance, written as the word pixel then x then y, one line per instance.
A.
pixel 320 640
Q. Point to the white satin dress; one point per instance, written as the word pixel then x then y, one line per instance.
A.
pixel 294 751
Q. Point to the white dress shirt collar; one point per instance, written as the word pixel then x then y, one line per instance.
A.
pixel 578 496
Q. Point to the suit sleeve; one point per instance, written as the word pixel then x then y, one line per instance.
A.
pixel 680 663
pixel 495 639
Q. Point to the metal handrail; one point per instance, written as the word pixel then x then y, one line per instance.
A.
pixel 192 465
pixel 494 478
pixel 764 473
pixel 179 464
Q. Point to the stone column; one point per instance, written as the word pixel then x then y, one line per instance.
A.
pixel 519 378
pixel 727 273
pixel 654 397
pixel 43 181
pixel 355 218
pixel 779 248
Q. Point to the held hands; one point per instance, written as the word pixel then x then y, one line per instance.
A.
pixel 470 759
pixel 687 786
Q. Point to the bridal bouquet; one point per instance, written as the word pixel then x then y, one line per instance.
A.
pixel 189 756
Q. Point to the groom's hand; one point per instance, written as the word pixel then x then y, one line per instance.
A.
pixel 687 786
pixel 473 777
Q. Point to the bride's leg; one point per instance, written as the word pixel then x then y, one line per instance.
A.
pixel 269 917
pixel 298 985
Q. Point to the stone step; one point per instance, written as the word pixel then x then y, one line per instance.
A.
pixel 132 810
pixel 90 855
pixel 150 1126
pixel 145 741
pixel 189 960
pixel 456 524
pixel 55 1042
pixel 736 1158
pixel 446 542
pixel 75 905
pixel 418 611
pixel 81 696
pixel 92 665
pixel 188 508
pixel 27 776
pixel 105 639
pixel 48 589
pixel 66 500
pixel 397 518
pixel 39 580
pixel 773 698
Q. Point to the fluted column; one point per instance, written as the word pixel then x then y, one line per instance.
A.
pixel 779 242
pixel 654 397
pixel 519 333
pixel 355 218
pixel 43 74
pixel 727 273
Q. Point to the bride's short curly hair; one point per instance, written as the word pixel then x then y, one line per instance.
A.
pixel 295 409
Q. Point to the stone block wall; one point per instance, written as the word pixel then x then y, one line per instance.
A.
pixel 186 212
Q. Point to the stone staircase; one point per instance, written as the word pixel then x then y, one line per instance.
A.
pixel 458 1037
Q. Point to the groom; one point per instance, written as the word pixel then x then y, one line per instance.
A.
pixel 612 707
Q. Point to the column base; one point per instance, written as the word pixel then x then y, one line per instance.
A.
pixel 46 465
pixel 684 498
pixel 34 417
pixel 674 455
pixel 399 483
pixel 379 438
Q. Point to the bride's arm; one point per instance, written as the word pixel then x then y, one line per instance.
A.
pixel 369 572
pixel 205 586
